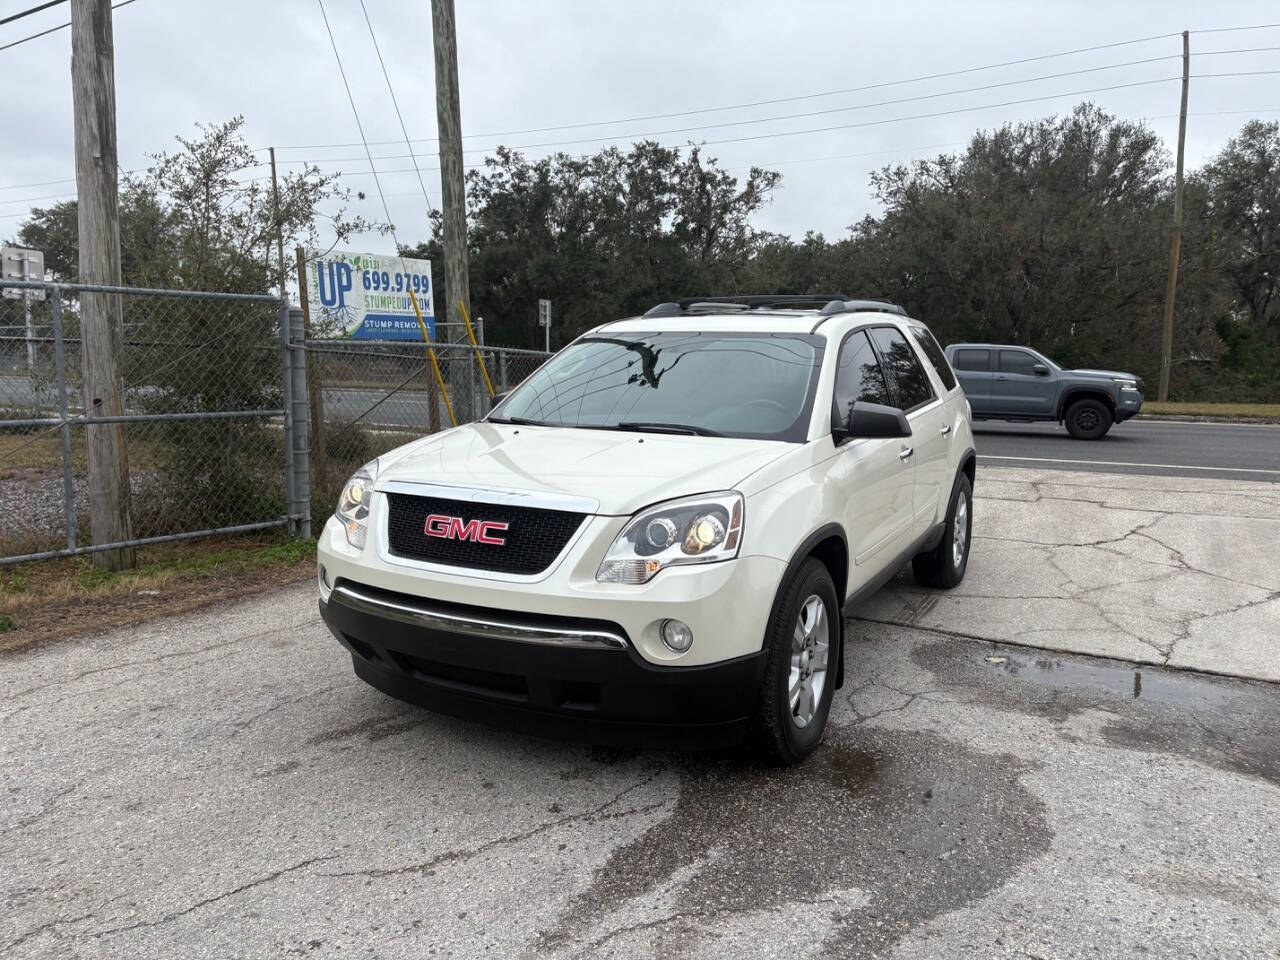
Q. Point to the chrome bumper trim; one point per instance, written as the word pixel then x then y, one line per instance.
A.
pixel 424 615
pixel 528 499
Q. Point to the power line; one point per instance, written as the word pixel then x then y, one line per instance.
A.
pixel 30 10
pixel 395 103
pixel 355 113
pixel 1255 111
pixel 1256 26
pixel 387 212
pixel 327 160
pixel 811 96
pixel 772 101
pixel 61 26
pixel 813 113
pixel 479 166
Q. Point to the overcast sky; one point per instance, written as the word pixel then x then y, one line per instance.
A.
pixel 526 65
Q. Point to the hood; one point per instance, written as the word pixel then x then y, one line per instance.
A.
pixel 623 471
pixel 1106 374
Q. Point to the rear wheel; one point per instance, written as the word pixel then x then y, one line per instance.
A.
pixel 802 651
pixel 945 564
pixel 1088 419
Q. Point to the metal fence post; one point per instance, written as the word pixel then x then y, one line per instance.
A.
pixel 60 370
pixel 472 407
pixel 502 369
pixel 286 374
pixel 301 417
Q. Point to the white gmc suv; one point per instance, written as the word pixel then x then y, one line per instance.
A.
pixel 653 538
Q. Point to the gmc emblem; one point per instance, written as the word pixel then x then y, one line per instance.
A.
pixel 454 528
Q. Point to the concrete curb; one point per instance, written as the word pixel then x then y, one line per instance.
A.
pixel 1186 418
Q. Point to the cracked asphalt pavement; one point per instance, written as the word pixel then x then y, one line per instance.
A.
pixel 1163 570
pixel 221 785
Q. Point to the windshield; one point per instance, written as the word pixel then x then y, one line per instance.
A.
pixel 756 386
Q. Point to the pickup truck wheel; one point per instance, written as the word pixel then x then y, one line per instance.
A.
pixel 802 648
pixel 1088 419
pixel 944 565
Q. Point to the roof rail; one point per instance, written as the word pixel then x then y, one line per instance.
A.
pixel 755 302
pixel 831 304
pixel 862 306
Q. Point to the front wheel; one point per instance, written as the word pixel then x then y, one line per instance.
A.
pixel 1088 419
pixel 802 650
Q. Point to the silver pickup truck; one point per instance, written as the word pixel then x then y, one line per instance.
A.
pixel 1004 382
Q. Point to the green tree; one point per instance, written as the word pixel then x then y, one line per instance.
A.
pixel 1045 233
pixel 201 218
pixel 1238 202
pixel 602 236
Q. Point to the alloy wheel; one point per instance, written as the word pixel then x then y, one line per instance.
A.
pixel 960 533
pixel 810 646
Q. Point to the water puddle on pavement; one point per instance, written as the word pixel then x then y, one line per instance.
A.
pixel 1139 683
pixel 916 823
pixel 1230 724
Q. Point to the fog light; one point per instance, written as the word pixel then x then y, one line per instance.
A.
pixel 324 576
pixel 677 635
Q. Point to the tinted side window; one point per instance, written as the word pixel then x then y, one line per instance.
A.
pixel 906 377
pixel 973 360
pixel 858 377
pixel 936 357
pixel 1015 361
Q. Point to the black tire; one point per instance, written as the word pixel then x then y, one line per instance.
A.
pixel 1088 419
pixel 941 567
pixel 776 735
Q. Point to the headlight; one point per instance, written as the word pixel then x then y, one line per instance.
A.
pixel 702 529
pixel 353 505
pixel 1126 383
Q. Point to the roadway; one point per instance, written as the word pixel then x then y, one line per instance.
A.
pixel 1154 447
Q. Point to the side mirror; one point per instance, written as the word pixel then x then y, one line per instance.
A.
pixel 871 421
pixel 1040 369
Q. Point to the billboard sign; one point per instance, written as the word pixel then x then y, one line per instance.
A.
pixel 366 296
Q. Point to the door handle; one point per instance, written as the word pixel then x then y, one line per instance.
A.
pixel 945 430
pixel 999 377
pixel 905 453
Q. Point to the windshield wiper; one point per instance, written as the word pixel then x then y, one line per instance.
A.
pixel 642 427
pixel 520 422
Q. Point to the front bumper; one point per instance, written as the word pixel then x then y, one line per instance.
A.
pixel 727 604
pixel 567 677
pixel 1129 404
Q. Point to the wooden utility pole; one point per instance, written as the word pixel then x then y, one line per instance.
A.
pixel 1175 241
pixel 452 187
pixel 93 95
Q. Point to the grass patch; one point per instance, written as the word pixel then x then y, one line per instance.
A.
pixel 1249 411
pixel 69 596
pixel 181 564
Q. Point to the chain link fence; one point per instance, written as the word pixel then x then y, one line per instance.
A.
pixel 231 420
pixel 201 416
pixel 367 397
